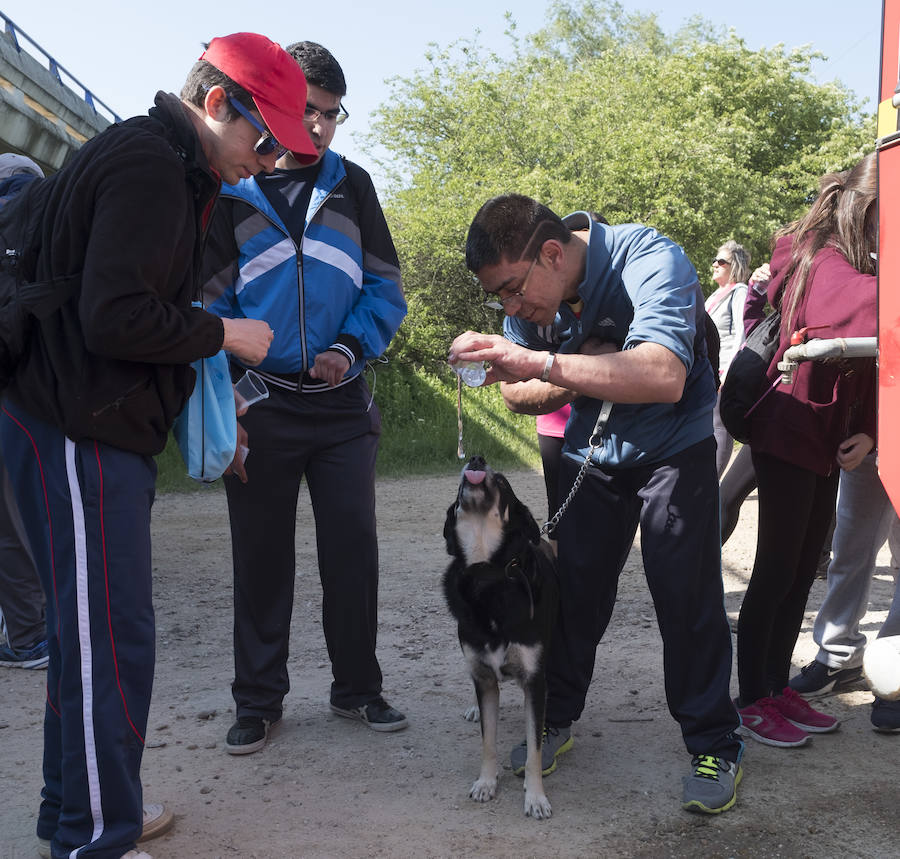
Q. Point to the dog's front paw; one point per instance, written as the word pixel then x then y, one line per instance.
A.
pixel 484 790
pixel 473 714
pixel 537 806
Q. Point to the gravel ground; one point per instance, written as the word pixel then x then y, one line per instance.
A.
pixel 325 787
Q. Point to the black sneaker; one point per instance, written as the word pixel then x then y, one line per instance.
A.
pixel 818 679
pixel 377 714
pixel 885 716
pixel 247 735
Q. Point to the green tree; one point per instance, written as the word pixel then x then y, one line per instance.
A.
pixel 692 133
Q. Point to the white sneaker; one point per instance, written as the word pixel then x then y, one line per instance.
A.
pixel 44 851
pixel 158 819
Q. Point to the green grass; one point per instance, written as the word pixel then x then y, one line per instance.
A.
pixel 172 474
pixel 419 425
pixel 419 429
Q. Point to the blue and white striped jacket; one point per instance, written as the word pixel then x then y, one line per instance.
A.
pixel 343 292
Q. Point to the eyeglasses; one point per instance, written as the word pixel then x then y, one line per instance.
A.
pixel 497 302
pixel 338 116
pixel 494 300
pixel 267 144
pixel 721 262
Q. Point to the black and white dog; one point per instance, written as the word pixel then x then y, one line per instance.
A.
pixel 501 587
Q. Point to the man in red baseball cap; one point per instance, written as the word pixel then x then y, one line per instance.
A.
pixel 247 105
pixel 94 396
pixel 270 75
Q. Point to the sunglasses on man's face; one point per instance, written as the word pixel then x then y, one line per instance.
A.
pixel 267 144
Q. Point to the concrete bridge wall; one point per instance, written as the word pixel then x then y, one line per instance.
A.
pixel 39 116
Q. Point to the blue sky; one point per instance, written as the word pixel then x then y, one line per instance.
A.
pixel 125 51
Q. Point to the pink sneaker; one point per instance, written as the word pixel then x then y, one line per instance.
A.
pixel 763 721
pixel 797 711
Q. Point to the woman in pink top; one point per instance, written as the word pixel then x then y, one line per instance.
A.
pixel 550 431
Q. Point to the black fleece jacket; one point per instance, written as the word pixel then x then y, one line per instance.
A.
pixel 128 213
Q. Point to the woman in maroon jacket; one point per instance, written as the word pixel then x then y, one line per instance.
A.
pixel 823 279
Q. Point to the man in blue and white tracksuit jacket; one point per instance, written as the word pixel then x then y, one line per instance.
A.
pixel 308 250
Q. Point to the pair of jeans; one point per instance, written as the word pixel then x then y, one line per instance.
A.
pixel 865 520
pixel 21 596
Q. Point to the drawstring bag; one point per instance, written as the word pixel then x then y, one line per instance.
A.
pixel 206 430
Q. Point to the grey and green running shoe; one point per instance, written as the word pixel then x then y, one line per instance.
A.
pixel 712 786
pixel 556 741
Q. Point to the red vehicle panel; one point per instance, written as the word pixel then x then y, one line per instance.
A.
pixel 889 254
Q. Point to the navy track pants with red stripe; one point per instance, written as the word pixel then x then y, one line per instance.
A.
pixel 86 509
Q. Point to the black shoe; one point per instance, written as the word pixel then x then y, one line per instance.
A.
pixel 886 715
pixel 247 735
pixel 818 679
pixel 377 714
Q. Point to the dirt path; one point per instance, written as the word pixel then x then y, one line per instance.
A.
pixel 326 787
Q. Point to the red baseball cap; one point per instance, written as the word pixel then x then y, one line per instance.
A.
pixel 274 79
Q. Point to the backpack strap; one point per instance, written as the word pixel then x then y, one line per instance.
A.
pixel 39 298
pixel 729 295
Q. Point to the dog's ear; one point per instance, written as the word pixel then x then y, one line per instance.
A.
pixel 519 515
pixel 524 522
pixel 530 525
pixel 450 531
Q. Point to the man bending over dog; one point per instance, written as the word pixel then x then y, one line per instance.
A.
pixel 562 283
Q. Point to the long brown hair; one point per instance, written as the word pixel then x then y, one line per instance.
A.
pixel 844 217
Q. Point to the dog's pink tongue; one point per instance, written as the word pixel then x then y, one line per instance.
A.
pixel 474 476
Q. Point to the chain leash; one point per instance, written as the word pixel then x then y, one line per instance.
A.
pixel 595 442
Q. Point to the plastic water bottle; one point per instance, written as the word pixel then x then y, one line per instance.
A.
pixel 471 372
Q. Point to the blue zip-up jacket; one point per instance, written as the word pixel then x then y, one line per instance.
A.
pixel 342 291
pixel 638 287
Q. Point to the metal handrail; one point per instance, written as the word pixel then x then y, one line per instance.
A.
pixel 55 68
pixel 818 350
